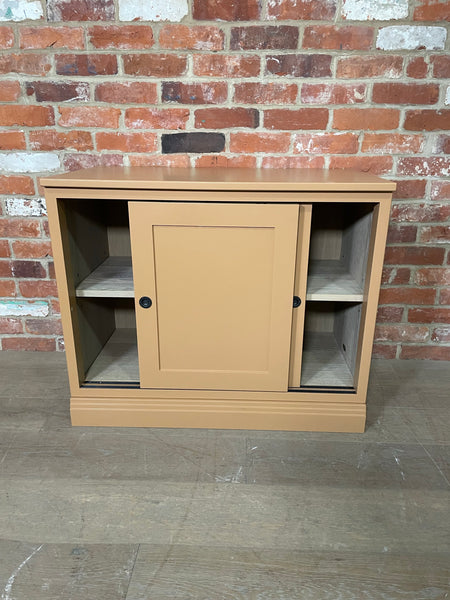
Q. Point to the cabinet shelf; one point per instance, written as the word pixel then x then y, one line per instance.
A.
pixel 330 280
pixel 117 361
pixel 113 278
pixel 324 364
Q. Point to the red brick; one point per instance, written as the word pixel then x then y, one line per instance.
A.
pixel 38 289
pixel 444 296
pixel 88 116
pixel 69 38
pixel 259 142
pixel 441 144
pixel 407 295
pixel 154 65
pixel 220 160
pixel 401 233
pixel 427 120
pixel 440 190
pixel 324 93
pixel 43 326
pixel 200 37
pixel 219 65
pixel 4 249
pixel 441 334
pixel 9 325
pixel 12 140
pixel 364 67
pixel 56 310
pixel 54 140
pixel 432 10
pixel 390 314
pixel 270 37
pixel 285 10
pixel 126 142
pixel 194 93
pixel 265 93
pixel 424 213
pixel 429 315
pixel 35 344
pixel 7 288
pixel 438 234
pixel 395 276
pixel 303 118
pixel 405 93
pixel 329 37
pixel 5 268
pixel 6 37
pixel 441 66
pixel 224 118
pixel 392 143
pixel 19 228
pixel 326 143
pixel 299 65
pixel 226 10
pixel 366 118
pixel 26 116
pixel 420 166
pixel 32 249
pixel 16 184
pixel 401 333
pixel 413 255
pixel 130 92
pixel 386 351
pixel 293 162
pixel 9 91
pixel 51 270
pixel 149 118
pixel 426 352
pixel 417 68
pixel 60 91
pixel 74 162
pixel 410 188
pixel 29 64
pixel 121 36
pixel 160 160
pixel 433 277
pixel 80 10
pixel 86 64
pixel 368 164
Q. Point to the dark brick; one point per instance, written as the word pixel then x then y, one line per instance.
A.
pixel 30 269
pixel 262 38
pixel 86 64
pixel 192 142
pixel 58 92
pixel 80 10
pixel 194 93
pixel 226 10
pixel 300 65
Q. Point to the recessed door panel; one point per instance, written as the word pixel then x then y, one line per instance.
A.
pixel 220 278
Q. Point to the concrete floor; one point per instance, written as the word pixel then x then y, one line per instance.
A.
pixel 142 514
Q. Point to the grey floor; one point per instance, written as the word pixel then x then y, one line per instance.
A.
pixel 108 514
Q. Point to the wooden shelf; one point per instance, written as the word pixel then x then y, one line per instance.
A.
pixel 118 360
pixel 323 362
pixel 112 279
pixel 329 280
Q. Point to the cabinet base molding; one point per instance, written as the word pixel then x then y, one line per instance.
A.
pixel 201 414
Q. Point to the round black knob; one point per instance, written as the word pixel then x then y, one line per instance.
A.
pixel 145 302
pixel 296 302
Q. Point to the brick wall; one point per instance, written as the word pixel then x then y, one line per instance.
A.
pixel 270 83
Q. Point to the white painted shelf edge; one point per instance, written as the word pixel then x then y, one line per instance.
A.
pixel 112 279
pixel 329 280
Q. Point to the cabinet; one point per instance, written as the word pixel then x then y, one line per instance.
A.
pixel 225 298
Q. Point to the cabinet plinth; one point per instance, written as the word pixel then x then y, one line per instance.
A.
pixel 218 298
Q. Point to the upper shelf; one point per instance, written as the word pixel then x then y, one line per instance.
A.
pixel 163 178
pixel 112 279
pixel 329 280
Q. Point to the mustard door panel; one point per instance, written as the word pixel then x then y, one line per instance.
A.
pixel 221 279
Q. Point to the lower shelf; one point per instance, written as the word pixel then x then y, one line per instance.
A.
pixel 118 360
pixel 323 364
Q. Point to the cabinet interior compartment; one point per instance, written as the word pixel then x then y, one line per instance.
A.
pixel 340 235
pixel 100 249
pixel 330 344
pixel 108 340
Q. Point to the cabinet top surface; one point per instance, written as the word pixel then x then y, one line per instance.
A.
pixel 160 178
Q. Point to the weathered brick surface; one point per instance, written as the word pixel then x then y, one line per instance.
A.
pixel 359 84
